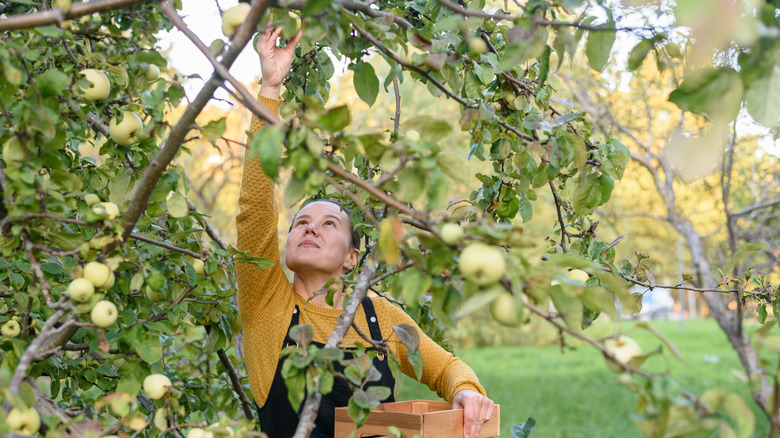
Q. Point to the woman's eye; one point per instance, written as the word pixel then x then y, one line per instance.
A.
pixel 329 223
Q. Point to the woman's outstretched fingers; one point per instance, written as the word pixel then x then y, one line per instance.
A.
pixel 477 409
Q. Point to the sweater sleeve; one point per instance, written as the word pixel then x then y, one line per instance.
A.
pixel 256 230
pixel 442 371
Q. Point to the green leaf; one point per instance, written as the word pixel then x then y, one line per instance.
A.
pixel 177 206
pixel 336 119
pixel 408 336
pixel 762 314
pixel 365 399
pixel 587 196
pixel 365 81
pixel 267 143
pixel 713 91
pixel 67 181
pixel 302 334
pixel 568 306
pixel 296 386
pixel 484 73
pixel 430 129
pixel 313 7
pixel 453 166
pixel 415 358
pixel 121 188
pixel 214 129
pixel 326 382
pixel 413 286
pixel 411 185
pixel 599 47
pixel 52 82
pixel 638 54
pixel 523 430
pixel 763 98
pixel 600 299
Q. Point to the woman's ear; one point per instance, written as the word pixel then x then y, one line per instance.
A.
pixel 352 259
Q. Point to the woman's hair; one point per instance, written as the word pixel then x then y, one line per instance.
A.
pixel 354 241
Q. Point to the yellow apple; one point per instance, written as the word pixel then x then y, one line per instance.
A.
pixel 482 264
pixel 578 275
pixel 234 17
pixel 91 199
pixel 106 209
pixel 624 349
pixel 297 20
pixel 99 88
pixel 156 386
pixel 478 46
pixel 504 309
pixel 199 266
pixel 451 234
pixel 81 290
pixel 10 329
pixel 412 136
pixel 97 273
pixel 509 99
pixel 26 422
pixel 127 131
pixel 152 72
pixel 199 433
pixel 104 314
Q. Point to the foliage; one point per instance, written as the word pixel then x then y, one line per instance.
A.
pixel 173 316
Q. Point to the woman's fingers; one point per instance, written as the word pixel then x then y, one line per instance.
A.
pixel 290 47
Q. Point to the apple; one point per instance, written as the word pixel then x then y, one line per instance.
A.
pixel 97 273
pixel 10 329
pixel 110 284
pixel 296 19
pixel 234 17
pixel 155 296
pixel 99 88
pixel 451 234
pixel 156 386
pixel 106 209
pixel 578 275
pixel 509 99
pixel 152 72
pixel 199 266
pixel 81 290
pixel 504 309
pixel 91 199
pixel 624 349
pixel 104 313
pixel 478 46
pixel 199 433
pixel 26 422
pixel 412 136
pixel 482 264
pixel 126 132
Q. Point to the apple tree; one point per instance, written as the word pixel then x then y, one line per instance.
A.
pixel 117 292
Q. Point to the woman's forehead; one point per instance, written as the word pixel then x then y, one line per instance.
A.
pixel 321 208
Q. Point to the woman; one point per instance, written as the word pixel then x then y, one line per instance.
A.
pixel 320 246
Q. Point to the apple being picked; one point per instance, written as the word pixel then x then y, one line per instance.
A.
pixel 24 422
pixel 104 314
pixel 99 88
pixel 10 329
pixel 482 264
pixel 234 17
pixel 156 386
pixel 126 132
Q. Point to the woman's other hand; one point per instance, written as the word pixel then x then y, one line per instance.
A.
pixel 275 61
pixel 477 409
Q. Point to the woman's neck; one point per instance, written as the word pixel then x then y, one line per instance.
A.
pixel 315 287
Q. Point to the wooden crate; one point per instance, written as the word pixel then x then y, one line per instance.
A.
pixel 426 418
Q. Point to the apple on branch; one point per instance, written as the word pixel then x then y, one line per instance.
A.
pixel 199 266
pixel 451 233
pixel 98 274
pixel 24 422
pixel 482 264
pixel 81 290
pixel 99 87
pixel 152 73
pixel 91 199
pixel 156 386
pixel 107 210
pixel 10 329
pixel 104 314
pixel 127 131
pixel 624 349
pixel 234 17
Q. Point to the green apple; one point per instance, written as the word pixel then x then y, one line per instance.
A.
pixel 482 264
pixel 451 234
pixel 504 309
pixel 234 17
pixel 110 284
pixel 104 314
pixel 127 131
pixel 478 46
pixel 412 136
pixel 13 151
pixel 156 386
pixel 624 349
pixel 199 266
pixel 155 296
pixel 91 199
pixel 10 329
pixel 578 275
pixel 81 290
pixel 97 273
pixel 152 72
pixel 509 99
pixel 106 209
pixel 199 433
pixel 26 422
pixel 296 19
pixel 99 88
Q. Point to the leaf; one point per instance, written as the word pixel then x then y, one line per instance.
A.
pixel 763 98
pixel 296 386
pixel 430 128
pixel 453 166
pixel 523 430
pixel 267 143
pixel 365 399
pixel 599 46
pixel 568 306
pixel 415 358
pixel 177 206
pixel 587 196
pixel 52 82
pixel 657 334
pixel 478 301
pixel 762 314
pixel 314 7
pixel 121 188
pixel 336 119
pixel 326 382
pixel 302 334
pixel 365 81
pixel 713 91
pixel 214 129
pixel 411 184
pixel 388 244
pixel 600 299
pixel 638 54
pixel 413 286
pixel 408 335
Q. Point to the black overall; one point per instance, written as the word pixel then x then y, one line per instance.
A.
pixel 279 420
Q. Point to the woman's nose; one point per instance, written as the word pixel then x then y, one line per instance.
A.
pixel 311 228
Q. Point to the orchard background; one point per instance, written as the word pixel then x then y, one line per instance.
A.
pixel 633 140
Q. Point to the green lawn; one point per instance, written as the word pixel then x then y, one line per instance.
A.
pixel 573 394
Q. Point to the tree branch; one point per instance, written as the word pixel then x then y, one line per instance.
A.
pixel 57 15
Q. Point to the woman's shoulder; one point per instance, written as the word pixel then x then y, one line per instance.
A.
pixel 386 307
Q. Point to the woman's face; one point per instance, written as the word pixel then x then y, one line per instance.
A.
pixel 319 241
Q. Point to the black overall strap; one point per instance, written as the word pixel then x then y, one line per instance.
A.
pixel 373 323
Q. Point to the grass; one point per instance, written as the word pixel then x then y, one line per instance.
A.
pixel 573 394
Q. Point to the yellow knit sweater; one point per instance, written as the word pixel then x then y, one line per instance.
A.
pixel 266 299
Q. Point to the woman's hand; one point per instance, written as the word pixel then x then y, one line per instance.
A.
pixel 477 409
pixel 275 61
